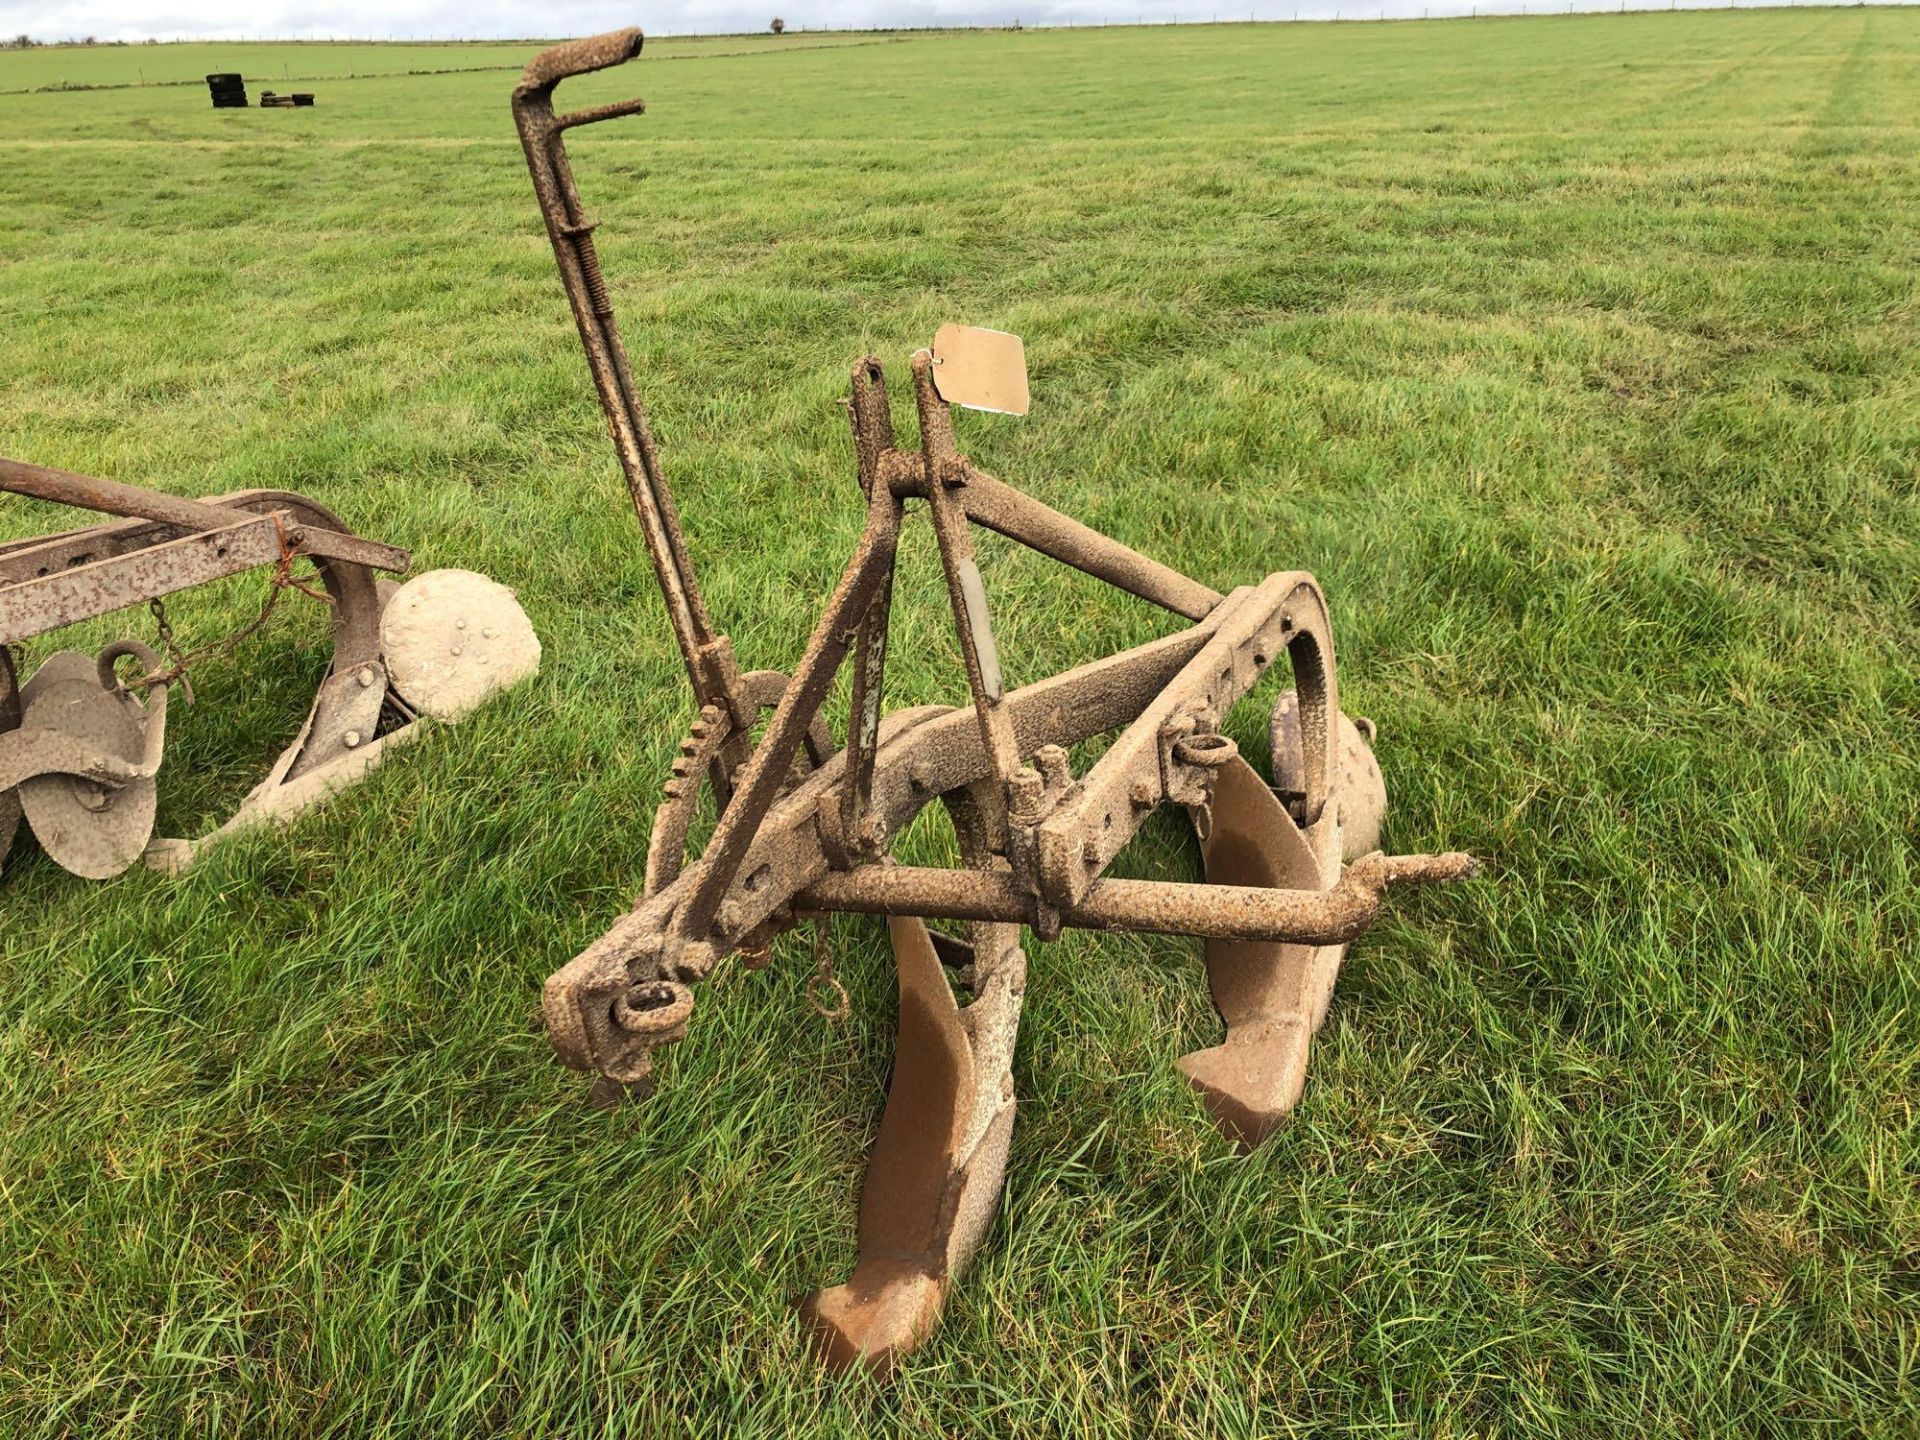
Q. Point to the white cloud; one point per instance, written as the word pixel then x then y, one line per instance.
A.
pixel 486 19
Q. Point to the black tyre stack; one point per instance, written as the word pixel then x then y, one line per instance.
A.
pixel 229 91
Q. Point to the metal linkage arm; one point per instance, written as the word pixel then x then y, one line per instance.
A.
pixel 1010 512
pixel 866 576
pixel 1145 907
pixel 1002 508
pixel 88 492
pixel 1147 765
pixel 973 625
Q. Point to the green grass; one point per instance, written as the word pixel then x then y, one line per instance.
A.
pixel 266 61
pixel 1576 357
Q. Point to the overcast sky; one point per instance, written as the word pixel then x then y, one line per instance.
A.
pixel 479 19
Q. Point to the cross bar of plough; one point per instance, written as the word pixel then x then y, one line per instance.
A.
pixel 804 828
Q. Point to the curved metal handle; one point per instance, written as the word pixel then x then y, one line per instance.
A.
pixel 578 57
pixel 542 136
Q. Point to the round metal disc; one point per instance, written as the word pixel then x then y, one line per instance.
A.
pixel 87 829
pixel 452 639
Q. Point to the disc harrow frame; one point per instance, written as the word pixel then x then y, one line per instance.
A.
pixel 88 797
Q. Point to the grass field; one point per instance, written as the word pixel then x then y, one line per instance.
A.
pixel 1576 357
pixel 94 66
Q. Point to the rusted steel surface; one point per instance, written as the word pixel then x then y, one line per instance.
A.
pixel 45 555
pixel 87 492
pixel 84 759
pixel 803 830
pixel 321 540
pixel 571 233
pixel 69 596
pixel 925 754
pixel 1216 911
pixel 1005 510
pixel 1144 767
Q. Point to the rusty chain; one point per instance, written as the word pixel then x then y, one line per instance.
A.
pixel 278 583
pixel 823 982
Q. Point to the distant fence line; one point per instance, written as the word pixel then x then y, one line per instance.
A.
pixel 61 87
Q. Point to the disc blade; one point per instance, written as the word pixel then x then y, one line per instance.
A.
pixel 452 639
pixel 91 830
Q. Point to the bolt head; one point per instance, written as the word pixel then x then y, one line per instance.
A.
pixel 694 962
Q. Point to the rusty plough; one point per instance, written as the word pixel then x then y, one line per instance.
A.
pixel 79 746
pixel 804 828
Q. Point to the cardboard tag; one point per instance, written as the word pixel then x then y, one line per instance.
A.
pixel 980 369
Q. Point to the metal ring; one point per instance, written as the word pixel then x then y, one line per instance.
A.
pixel 818 985
pixel 653 1008
pixel 118 651
pixel 1210 750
